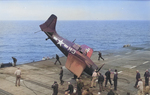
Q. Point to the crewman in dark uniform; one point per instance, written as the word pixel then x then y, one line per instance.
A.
pixel 70 88
pixel 55 88
pixel 80 85
pixel 146 75
pixel 100 81
pixel 137 78
pixel 61 75
pixel 57 59
pixel 107 74
pixel 14 60
pixel 100 56
pixel 115 79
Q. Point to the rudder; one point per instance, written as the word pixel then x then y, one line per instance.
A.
pixel 50 24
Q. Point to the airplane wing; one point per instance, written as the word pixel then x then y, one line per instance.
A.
pixel 87 50
pixel 75 65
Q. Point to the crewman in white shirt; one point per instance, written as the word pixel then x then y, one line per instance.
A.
pixel 140 86
pixel 18 76
pixel 94 77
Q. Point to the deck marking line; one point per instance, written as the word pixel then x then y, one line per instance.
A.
pixel 128 52
pixel 132 67
pixel 117 55
pixel 145 62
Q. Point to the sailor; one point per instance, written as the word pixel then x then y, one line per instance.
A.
pixel 115 79
pixel 61 75
pixel 80 85
pixel 14 60
pixel 47 58
pixel 140 86
pixel 70 88
pixel 100 56
pixel 100 81
pixel 147 90
pixel 57 59
pixel 137 78
pixel 146 75
pixel 55 88
pixel 43 58
pixel 18 76
pixel 107 74
pixel 94 76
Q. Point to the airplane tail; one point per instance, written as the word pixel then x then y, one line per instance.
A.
pixel 49 25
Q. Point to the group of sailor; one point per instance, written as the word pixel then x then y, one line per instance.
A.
pixel 45 58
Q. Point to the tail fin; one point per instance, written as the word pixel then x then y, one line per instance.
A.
pixel 49 25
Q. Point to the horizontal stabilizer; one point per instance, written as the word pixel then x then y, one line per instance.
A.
pixel 75 65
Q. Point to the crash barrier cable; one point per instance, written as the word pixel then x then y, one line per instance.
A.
pixel 29 88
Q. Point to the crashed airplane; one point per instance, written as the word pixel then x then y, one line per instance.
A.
pixel 78 57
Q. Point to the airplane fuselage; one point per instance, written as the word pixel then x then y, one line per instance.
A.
pixel 68 47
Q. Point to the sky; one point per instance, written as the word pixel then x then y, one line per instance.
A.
pixel 75 9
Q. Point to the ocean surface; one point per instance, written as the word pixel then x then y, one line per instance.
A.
pixel 24 41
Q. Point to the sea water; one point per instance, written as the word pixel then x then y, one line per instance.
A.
pixel 24 41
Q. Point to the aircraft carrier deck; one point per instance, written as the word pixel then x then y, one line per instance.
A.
pixel 37 77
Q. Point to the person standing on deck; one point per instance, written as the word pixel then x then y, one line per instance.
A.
pixel 94 76
pixel 61 75
pixel 80 85
pixel 70 88
pixel 115 79
pixel 18 76
pixel 57 59
pixel 107 74
pixel 100 81
pixel 100 56
pixel 14 60
pixel 140 86
pixel 55 88
pixel 146 75
pixel 138 76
